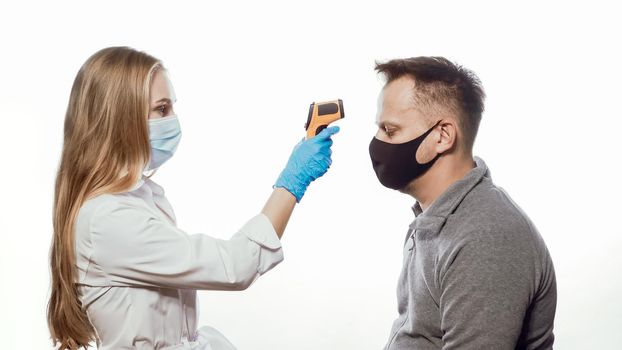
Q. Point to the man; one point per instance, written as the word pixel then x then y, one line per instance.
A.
pixel 476 273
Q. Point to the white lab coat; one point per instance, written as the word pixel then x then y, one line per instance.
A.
pixel 138 273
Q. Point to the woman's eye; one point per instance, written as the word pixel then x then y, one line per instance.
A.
pixel 161 109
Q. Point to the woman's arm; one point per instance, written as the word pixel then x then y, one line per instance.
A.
pixel 132 246
pixel 309 160
pixel 129 244
pixel 279 208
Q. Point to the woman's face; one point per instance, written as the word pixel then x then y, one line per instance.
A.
pixel 161 96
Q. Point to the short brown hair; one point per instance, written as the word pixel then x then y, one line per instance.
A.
pixel 441 85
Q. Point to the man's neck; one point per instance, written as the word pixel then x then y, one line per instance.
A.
pixel 447 170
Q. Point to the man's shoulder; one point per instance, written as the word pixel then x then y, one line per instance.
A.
pixel 488 230
pixel 489 206
pixel 488 216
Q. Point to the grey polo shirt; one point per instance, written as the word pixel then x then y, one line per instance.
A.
pixel 476 274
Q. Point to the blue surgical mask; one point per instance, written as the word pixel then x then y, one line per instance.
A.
pixel 164 136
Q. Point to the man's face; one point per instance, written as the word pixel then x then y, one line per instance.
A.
pixel 398 118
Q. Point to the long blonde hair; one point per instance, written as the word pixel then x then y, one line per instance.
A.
pixel 105 149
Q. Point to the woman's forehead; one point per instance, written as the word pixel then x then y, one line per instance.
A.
pixel 162 87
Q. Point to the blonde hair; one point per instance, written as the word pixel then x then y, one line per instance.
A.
pixel 105 149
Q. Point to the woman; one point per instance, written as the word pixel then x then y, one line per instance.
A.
pixel 123 274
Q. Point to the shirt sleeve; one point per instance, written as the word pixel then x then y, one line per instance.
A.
pixel 133 246
pixel 485 292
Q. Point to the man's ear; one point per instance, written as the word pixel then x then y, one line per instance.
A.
pixel 446 136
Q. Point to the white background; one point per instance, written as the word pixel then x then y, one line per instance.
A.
pixel 245 73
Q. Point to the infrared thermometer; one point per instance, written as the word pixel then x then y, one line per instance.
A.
pixel 321 114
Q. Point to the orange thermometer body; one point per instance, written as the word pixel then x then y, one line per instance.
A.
pixel 321 114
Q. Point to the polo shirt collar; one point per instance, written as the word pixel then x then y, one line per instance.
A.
pixel 434 217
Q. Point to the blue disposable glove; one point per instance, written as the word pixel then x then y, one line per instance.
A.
pixel 309 160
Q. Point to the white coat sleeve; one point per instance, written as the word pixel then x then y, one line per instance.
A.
pixel 132 246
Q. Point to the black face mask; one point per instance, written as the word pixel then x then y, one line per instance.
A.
pixel 396 164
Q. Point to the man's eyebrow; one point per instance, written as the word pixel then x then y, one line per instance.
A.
pixel 387 123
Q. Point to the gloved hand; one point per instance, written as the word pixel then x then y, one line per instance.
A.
pixel 309 160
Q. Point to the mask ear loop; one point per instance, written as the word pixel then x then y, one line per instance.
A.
pixel 425 134
pixel 432 128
